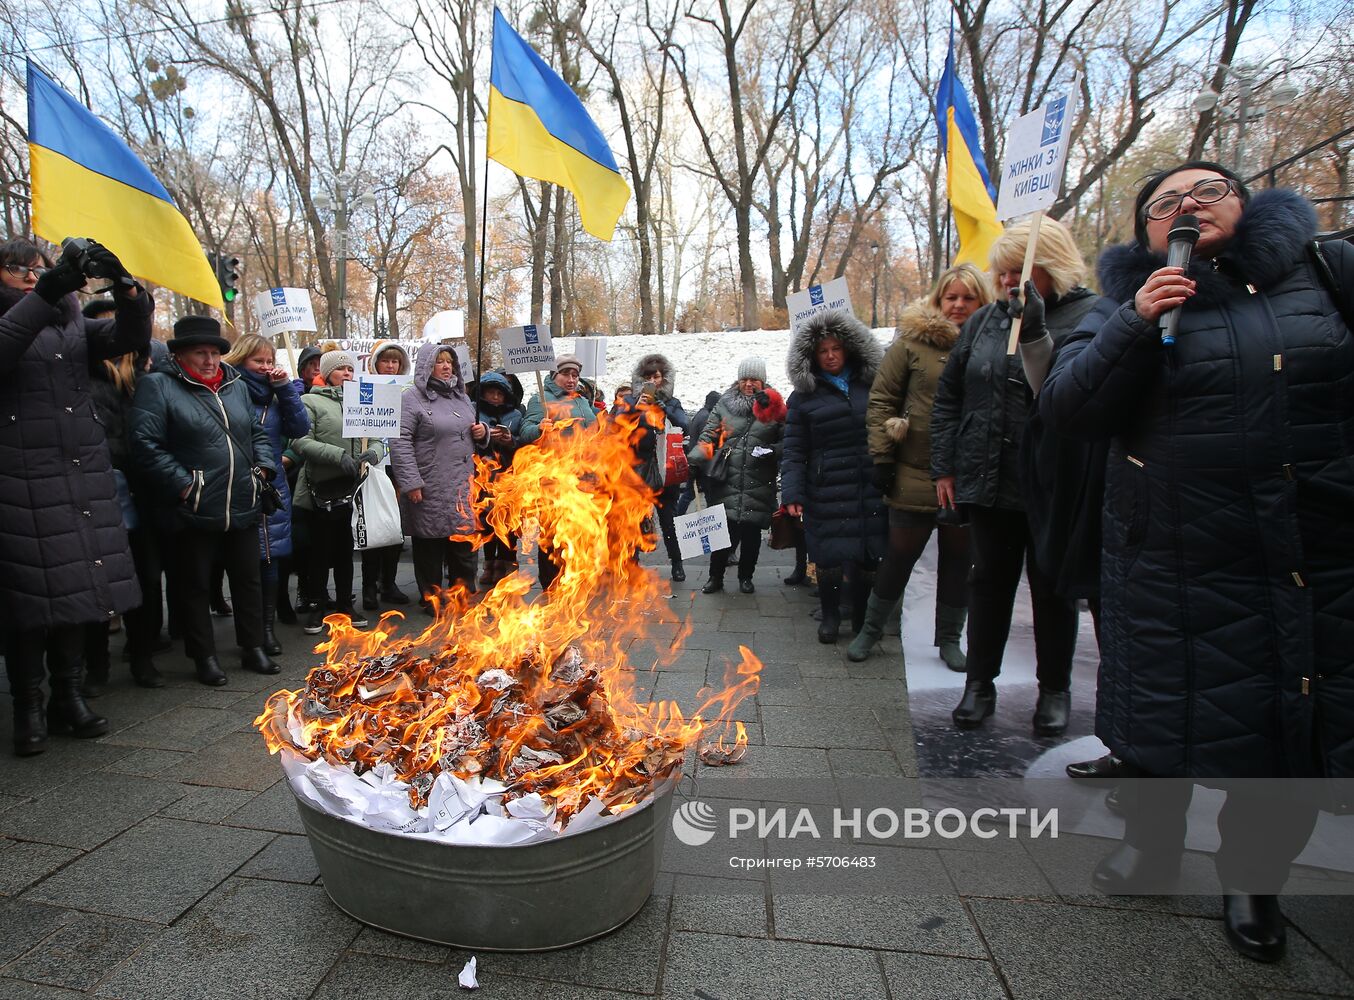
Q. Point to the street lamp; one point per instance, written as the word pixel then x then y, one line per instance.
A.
pixel 1280 93
pixel 346 198
pixel 874 288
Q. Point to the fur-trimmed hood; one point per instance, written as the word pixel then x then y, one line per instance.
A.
pixel 423 370
pixel 1271 237
pixel 381 346
pixel 863 352
pixel 923 323
pixel 659 361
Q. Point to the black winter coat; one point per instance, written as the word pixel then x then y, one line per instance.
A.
pixel 827 466
pixel 185 435
pixel 1228 579
pixel 982 401
pixel 64 558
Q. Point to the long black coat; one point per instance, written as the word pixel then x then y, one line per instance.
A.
pixel 827 466
pixel 1228 578
pixel 64 558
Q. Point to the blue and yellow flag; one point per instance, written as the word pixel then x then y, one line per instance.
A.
pixel 972 196
pixel 538 128
pixel 87 182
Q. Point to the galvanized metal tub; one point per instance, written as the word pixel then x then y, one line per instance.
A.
pixel 534 897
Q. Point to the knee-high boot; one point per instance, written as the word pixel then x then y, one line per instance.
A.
pixel 268 588
pixel 949 629
pixel 23 666
pixel 67 711
pixel 860 586
pixel 830 598
pixel 878 613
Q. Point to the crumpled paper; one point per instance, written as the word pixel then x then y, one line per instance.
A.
pixel 469 812
pixel 467 977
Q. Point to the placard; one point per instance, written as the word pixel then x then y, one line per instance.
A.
pixel 702 532
pixel 527 349
pixel 816 299
pixel 371 408
pixel 1036 154
pixel 591 354
pixel 449 324
pixel 282 309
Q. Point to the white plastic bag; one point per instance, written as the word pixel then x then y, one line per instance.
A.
pixel 376 512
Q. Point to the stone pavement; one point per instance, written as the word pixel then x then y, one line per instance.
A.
pixel 166 861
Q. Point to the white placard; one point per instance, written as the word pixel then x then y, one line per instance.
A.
pixel 1036 154
pixel 815 299
pixel 371 408
pixel 402 381
pixel 702 532
pixel 462 352
pixel 591 354
pixel 449 324
pixel 281 309
pixel 527 349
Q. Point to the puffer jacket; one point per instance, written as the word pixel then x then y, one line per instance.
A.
pixel 379 348
pixel 183 435
pixel 982 401
pixel 283 417
pixel 64 558
pixel 508 416
pixel 322 448
pixel 1227 589
pixel 562 406
pixel 748 489
pixel 827 467
pixel 435 453
pixel 898 419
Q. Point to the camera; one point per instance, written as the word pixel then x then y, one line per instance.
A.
pixel 95 262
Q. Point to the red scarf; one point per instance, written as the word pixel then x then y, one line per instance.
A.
pixel 213 383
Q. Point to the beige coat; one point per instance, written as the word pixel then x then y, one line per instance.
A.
pixel 898 419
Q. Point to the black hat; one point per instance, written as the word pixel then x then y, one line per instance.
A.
pixel 198 331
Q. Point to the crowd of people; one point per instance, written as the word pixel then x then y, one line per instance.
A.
pixel 1195 496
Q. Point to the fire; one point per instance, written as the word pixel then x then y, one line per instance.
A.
pixel 538 695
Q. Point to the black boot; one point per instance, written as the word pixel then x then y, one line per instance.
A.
pixel 209 671
pixel 270 644
pixel 25 672
pixel 286 614
pixel 1100 770
pixel 801 572
pixel 96 669
pixel 1051 712
pixel 979 701
pixel 144 673
pixel 1254 926
pixel 1129 870
pixel 678 571
pixel 257 660
pixel 370 597
pixel 66 710
pixel 830 600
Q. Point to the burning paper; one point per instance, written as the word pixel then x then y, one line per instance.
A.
pixel 506 722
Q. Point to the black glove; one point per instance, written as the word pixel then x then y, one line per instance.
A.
pixel 371 456
pixel 59 282
pixel 762 399
pixel 349 465
pixel 1032 325
pixel 103 263
pixel 884 476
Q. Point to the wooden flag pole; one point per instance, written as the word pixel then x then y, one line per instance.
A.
pixel 1025 271
pixel 291 352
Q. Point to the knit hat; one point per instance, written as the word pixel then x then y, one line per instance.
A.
pixel 335 359
pixel 752 368
pixel 567 361
pixel 198 331
pixel 306 354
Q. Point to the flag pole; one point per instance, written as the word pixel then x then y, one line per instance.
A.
pixel 484 230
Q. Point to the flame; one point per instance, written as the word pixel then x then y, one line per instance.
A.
pixel 540 695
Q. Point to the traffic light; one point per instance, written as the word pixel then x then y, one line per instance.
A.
pixel 227 271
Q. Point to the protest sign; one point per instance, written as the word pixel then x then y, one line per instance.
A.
pixel 371 408
pixel 702 532
pixel 449 324
pixel 815 299
pixel 283 309
pixel 1036 154
pixel 527 349
pixel 591 354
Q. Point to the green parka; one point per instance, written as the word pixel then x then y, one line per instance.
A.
pixel 898 418
pixel 748 489
pixel 562 406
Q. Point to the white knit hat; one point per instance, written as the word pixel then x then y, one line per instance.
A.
pixel 752 368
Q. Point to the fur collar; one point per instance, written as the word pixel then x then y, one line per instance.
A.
pixel 68 308
pixel 1270 239
pixel 735 402
pixel 660 362
pixel 925 324
pixel 863 353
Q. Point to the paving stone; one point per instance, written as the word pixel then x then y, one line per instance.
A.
pixel 719 906
pixel 933 977
pixel 23 863
pixel 287 859
pixel 864 762
pixel 1326 920
pixel 241 760
pixel 273 810
pixel 862 693
pixel 25 924
pixel 1303 968
pixel 10 801
pixel 204 804
pixel 148 763
pixel 14 989
pixel 249 938
pixel 898 922
pixel 824 727
pixel 1127 954
pixel 380 978
pixel 64 761
pixel 750 969
pixel 184 727
pixel 89 810
pixel 992 873
pixel 154 871
pixel 80 953
pixel 376 942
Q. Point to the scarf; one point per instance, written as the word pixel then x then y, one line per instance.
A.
pixel 213 383
pixel 842 381
pixel 260 389
pixel 441 388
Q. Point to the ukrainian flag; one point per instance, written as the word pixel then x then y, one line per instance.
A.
pixel 87 182
pixel 538 128
pixel 972 196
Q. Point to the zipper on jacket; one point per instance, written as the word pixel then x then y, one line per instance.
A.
pixel 200 481
pixel 230 456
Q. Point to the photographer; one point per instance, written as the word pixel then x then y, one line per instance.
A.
pixel 202 449
pixel 64 558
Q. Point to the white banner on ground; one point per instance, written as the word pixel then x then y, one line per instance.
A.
pixel 591 354
pixel 282 309
pixel 702 532
pixel 527 349
pixel 817 298
pixel 1036 154
pixel 371 409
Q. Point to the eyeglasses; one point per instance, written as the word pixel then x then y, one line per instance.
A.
pixel 1206 192
pixel 20 271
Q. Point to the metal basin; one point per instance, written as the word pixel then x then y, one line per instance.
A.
pixel 533 897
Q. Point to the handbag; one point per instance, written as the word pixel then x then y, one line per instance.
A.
pixel 787 531
pixel 376 513
pixel 676 469
pixel 718 469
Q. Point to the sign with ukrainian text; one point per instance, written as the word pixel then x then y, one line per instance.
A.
pixel 527 349
pixel 702 532
pixel 1036 156
pixel 283 309
pixel 816 299
pixel 371 408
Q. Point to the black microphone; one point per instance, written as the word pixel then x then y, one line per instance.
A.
pixel 1179 245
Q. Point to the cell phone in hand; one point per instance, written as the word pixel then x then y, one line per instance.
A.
pixel 648 392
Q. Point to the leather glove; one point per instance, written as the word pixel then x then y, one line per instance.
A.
pixel 371 456
pixel 59 282
pixel 104 263
pixel 349 465
pixel 1032 325
pixel 762 399
pixel 884 476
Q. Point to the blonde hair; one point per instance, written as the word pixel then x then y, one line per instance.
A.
pixel 967 275
pixel 1056 253
pixel 122 372
pixel 246 347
